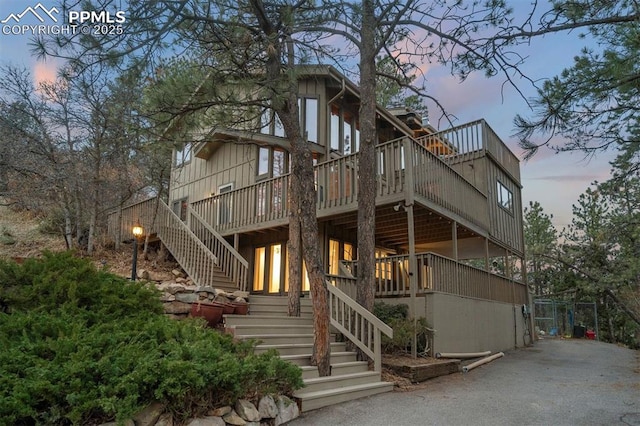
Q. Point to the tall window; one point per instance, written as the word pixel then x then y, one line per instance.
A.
pixel 505 197
pixel 271 270
pixel 309 118
pixel 183 155
pixel 345 131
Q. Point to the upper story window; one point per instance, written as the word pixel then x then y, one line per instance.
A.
pixel 505 197
pixel 270 123
pixel 183 155
pixel 272 162
pixel 344 131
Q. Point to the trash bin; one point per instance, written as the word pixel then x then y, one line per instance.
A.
pixel 578 331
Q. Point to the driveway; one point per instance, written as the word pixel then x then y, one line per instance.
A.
pixel 554 382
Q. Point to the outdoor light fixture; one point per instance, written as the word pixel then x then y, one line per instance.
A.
pixel 137 232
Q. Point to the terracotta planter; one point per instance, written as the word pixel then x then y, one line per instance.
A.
pixel 227 308
pixel 210 312
pixel 241 308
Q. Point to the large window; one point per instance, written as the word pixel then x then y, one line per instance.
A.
pixel 271 269
pixel 344 132
pixel 183 155
pixel 505 197
pixel 270 123
pixel 338 250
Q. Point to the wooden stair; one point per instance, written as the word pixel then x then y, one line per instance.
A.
pixel 292 337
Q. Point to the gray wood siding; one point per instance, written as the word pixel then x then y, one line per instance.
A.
pixel 198 179
pixel 506 225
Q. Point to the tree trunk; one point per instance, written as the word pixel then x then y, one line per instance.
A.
pixel 294 249
pixel 367 160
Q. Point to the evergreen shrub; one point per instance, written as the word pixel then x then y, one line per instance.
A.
pixel 82 346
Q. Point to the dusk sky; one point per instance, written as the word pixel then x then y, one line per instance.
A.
pixel 555 181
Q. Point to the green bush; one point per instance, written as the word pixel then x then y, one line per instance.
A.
pixel 397 317
pixel 81 345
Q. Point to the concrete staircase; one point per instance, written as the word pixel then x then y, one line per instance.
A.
pixel 292 337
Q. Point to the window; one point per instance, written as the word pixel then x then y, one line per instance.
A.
pixel 271 270
pixel 505 197
pixel 272 162
pixel 270 123
pixel 345 131
pixel 179 207
pixel 310 114
pixel 338 251
pixel 183 156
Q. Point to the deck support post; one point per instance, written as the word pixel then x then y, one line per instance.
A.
pixel 413 276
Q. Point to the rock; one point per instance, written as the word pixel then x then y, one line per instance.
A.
pixel 287 410
pixel 247 410
pixel 160 276
pixel 267 407
pixel 167 297
pixel 206 421
pixel 150 415
pixel 234 419
pixel 240 293
pixel 239 300
pixel 190 288
pixel 176 307
pixel 128 422
pixel 177 273
pixel 142 274
pixel 181 280
pixel 219 412
pixel 174 288
pixel 208 289
pixel 165 420
pixel 186 297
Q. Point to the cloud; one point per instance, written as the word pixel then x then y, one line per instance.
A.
pixel 44 72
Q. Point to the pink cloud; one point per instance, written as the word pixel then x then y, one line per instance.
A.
pixel 44 72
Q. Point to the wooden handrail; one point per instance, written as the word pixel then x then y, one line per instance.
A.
pixel 230 261
pixel 357 324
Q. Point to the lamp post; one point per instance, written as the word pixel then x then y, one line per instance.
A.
pixel 137 231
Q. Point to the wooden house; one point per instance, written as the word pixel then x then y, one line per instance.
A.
pixel 449 231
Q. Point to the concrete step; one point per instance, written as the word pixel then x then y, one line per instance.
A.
pixel 309 372
pixel 256 329
pixel 298 348
pixel 313 400
pixel 335 381
pixel 260 319
pixel 305 359
pixel 282 339
pixel 349 367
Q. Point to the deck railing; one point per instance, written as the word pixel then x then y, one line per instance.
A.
pixel 257 204
pixel 337 189
pixel 471 140
pixel 121 222
pixel 357 324
pixel 437 273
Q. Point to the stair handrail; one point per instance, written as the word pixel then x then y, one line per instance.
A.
pixel 168 218
pixel 367 330
pixel 239 262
